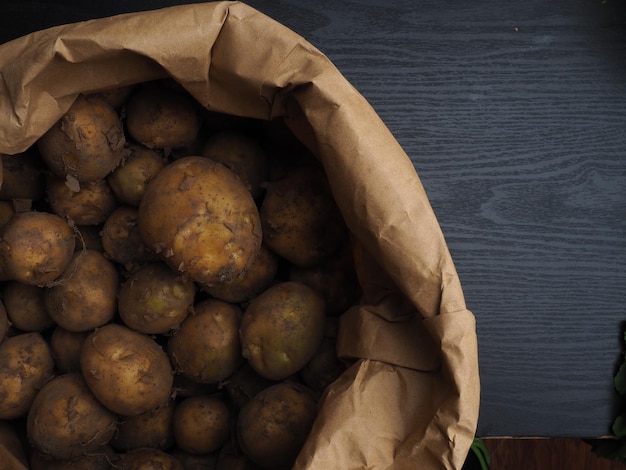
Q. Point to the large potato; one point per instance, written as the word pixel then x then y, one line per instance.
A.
pixel 67 421
pixel 26 365
pixel 127 371
pixel 201 219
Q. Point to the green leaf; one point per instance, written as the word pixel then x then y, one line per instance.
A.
pixel 482 454
pixel 619 426
pixel 620 379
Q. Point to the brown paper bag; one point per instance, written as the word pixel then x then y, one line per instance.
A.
pixel 411 400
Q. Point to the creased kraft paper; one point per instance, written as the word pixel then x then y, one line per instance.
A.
pixel 411 399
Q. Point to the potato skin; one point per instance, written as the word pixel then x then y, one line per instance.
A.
pixel 153 428
pixel 85 297
pixel 148 459
pixel 67 421
pixel 87 143
pixel 155 299
pixel 282 329
pixel 127 371
pixel 91 204
pixel 35 247
pixel 201 220
pixel 272 427
pixel 26 365
pixel 300 219
pixel 206 348
pixel 201 424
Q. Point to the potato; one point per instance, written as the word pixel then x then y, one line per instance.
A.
pixel 206 348
pixel 148 459
pixel 26 365
pixel 243 384
pixel 153 428
pixel 251 282
pixel 272 427
pixel 323 368
pixel 66 346
pixel 201 424
pixel 89 204
pixel 300 219
pixel 242 154
pixel 122 242
pixel 231 458
pixel 282 329
pixel 25 306
pixel 67 421
pixel 201 219
pixel 196 462
pixel 161 117
pixel 22 176
pixel 87 143
pixel 85 297
pixel 127 371
pixel 130 179
pixel 335 279
pixel 155 299
pixel 35 247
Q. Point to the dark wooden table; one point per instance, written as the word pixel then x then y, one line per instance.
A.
pixel 514 114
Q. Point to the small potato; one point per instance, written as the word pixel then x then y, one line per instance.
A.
pixel 66 346
pixel 87 143
pixel 35 247
pixel 22 176
pixel 206 348
pixel 324 367
pixel 201 220
pixel 26 364
pixel 130 179
pixel 161 117
pixel 250 283
pixel 121 240
pixel 272 427
pixel 153 428
pixel 89 204
pixel 155 299
pixel 127 371
pixel 148 459
pixel 85 297
pixel 335 279
pixel 67 421
pixel 242 154
pixel 300 219
pixel 201 424
pixel 282 329
pixel 243 384
pixel 25 306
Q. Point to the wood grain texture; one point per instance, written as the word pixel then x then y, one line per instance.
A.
pixel 514 116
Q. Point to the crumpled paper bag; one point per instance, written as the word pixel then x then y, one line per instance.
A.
pixel 411 399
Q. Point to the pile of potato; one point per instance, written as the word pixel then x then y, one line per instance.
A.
pixel 171 279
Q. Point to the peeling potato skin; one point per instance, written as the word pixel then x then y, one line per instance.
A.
pixel 206 348
pixel 90 205
pixel 201 220
pixel 35 247
pixel 127 371
pixel 67 421
pixel 26 364
pixel 85 297
pixel 87 143
pixel 254 280
pixel 282 328
pixel 273 425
